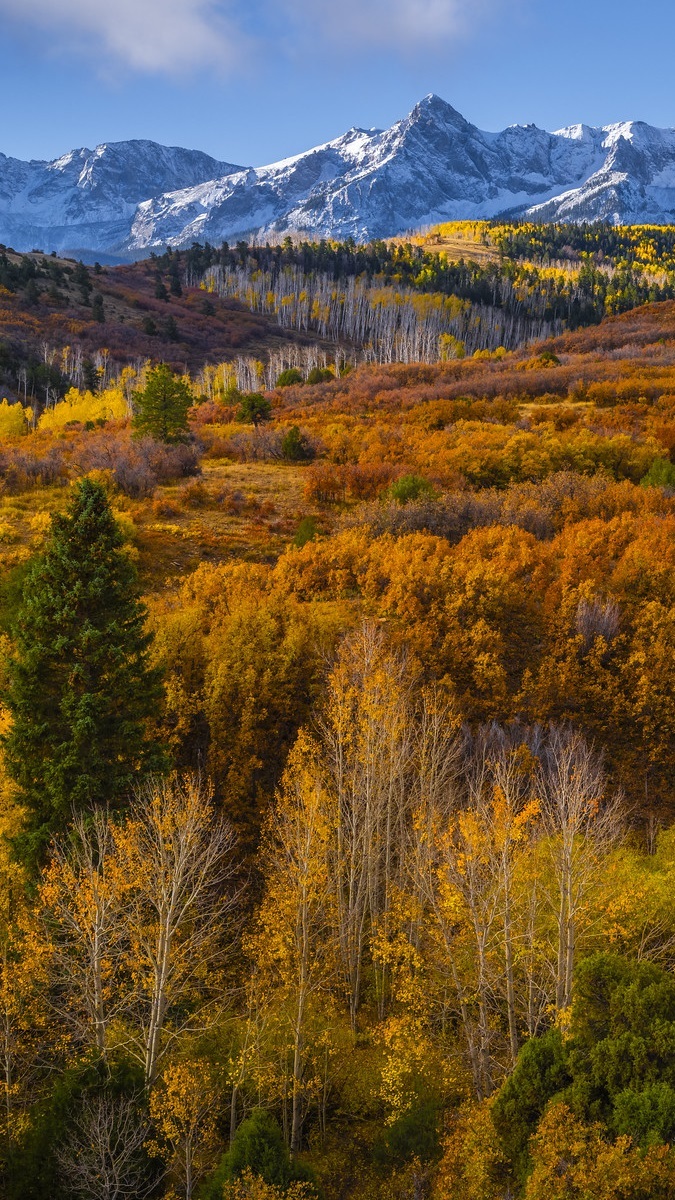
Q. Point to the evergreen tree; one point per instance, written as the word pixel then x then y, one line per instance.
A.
pixel 171 330
pixel 294 445
pixel 81 278
pixel 31 294
pixel 162 407
pixel 254 408
pixel 80 687
pixel 90 376
pixel 174 280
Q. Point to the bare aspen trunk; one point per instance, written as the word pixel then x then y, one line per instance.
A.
pixel 233 1111
pixel 99 1007
pixel 510 985
pixel 581 826
pixel 562 942
pixel 189 1184
pixel 157 1004
pixel 297 1114
pixel 297 1095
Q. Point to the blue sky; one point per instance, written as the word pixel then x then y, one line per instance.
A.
pixel 254 81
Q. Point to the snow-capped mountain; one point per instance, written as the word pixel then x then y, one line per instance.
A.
pixel 87 200
pixel 373 183
pixel 634 183
pixel 124 199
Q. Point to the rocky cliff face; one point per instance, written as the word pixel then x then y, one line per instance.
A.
pixel 126 198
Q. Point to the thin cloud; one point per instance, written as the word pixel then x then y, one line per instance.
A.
pixel 166 36
pixel 144 35
pixel 406 25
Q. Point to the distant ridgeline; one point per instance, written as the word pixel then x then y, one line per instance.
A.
pixel 415 301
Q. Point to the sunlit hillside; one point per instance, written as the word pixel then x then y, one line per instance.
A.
pixel 338 804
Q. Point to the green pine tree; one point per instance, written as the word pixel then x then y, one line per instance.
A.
pixel 171 332
pixel 254 408
pixel 161 409
pixel 80 686
pixel 90 376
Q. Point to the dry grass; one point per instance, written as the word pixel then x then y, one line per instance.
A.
pixel 455 248
pixel 456 241
pixel 246 511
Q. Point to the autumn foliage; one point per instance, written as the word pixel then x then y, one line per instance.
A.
pixel 391 916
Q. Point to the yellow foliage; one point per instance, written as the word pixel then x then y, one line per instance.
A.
pixel 573 1161
pixel 472 1165
pixel 14 419
pixel 110 405
pixel 252 1187
pixel 411 1060
pixel 184 1108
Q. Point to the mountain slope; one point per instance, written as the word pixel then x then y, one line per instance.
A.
pixel 635 183
pixel 87 199
pixel 433 165
pixel 126 198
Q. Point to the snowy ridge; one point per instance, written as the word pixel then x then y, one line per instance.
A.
pixel 126 198
pixel 87 199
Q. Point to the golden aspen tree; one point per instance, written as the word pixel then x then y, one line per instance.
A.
pixel 573 1161
pixel 184 1108
pixel 175 870
pixel 292 946
pixel 81 910
pixel 26 1030
pixel 581 824
pixel 470 835
pixel 27 1035
pixel 366 743
pixel 500 793
pixel 473 1163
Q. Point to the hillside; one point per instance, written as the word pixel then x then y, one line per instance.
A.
pixel 407 628
pixel 55 315
pixel 442 294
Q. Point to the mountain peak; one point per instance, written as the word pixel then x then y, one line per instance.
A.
pixel 433 106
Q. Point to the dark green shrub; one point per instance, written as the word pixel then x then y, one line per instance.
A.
pixel 254 409
pixel 623 1033
pixel 289 377
pixel 320 375
pixel 539 1074
pixel 32 1168
pixel 257 1146
pixel 414 1134
pixel 295 447
pixel 648 1117
pixel 306 532
pixel 410 487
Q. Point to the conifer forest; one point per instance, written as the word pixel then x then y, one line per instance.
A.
pixel 337 719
